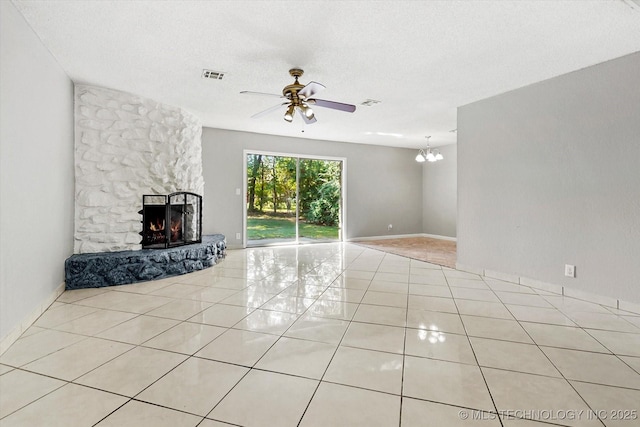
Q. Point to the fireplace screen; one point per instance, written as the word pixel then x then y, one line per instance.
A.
pixel 171 220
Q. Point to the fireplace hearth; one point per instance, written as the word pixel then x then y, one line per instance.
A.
pixel 95 270
pixel 171 220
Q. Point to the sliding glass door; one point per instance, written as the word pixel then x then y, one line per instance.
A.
pixel 292 199
pixel 271 199
pixel 320 192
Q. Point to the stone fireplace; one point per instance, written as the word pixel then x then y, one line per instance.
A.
pixel 129 148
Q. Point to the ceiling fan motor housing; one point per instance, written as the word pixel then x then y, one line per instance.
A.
pixel 291 91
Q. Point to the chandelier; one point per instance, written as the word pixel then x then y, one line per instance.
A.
pixel 428 155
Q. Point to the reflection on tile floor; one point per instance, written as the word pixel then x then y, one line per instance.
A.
pixel 323 335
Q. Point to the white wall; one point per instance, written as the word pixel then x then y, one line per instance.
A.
pixel 384 184
pixel 440 193
pixel 36 172
pixel 549 175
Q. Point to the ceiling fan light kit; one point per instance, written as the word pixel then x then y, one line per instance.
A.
pixel 307 111
pixel 288 116
pixel 299 97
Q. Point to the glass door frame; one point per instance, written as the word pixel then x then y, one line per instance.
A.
pixel 298 157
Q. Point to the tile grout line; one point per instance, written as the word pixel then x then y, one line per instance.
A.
pixel 252 367
pixel 249 368
pixel 404 348
pixel 332 356
pixel 188 357
pixel 484 379
pixel 557 369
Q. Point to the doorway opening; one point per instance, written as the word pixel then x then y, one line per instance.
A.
pixel 293 199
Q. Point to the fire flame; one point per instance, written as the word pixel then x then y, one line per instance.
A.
pixel 157 226
pixel 176 225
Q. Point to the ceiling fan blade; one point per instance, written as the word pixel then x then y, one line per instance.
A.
pixel 310 89
pixel 333 105
pixel 268 110
pixel 246 92
pixel 306 119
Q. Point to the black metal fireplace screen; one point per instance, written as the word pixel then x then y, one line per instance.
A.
pixel 171 220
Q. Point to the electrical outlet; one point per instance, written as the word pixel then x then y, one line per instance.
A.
pixel 238 236
pixel 570 270
pixel 390 226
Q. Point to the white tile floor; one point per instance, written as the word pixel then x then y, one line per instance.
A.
pixel 323 335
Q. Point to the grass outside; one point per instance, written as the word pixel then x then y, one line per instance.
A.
pixel 268 227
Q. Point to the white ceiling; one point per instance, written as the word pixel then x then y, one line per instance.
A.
pixel 422 59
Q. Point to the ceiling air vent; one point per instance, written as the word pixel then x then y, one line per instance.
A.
pixel 370 102
pixel 214 75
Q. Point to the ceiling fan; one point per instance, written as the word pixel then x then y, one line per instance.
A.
pixel 300 97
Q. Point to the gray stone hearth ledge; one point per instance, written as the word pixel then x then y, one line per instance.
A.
pixel 119 268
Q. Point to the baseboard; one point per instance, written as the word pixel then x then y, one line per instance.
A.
pixel 12 336
pixel 553 288
pixel 629 306
pixel 469 269
pixel 588 296
pixel 436 236
pixel 544 286
pixel 393 236
pixel 505 277
pixel 386 237
pixel 610 302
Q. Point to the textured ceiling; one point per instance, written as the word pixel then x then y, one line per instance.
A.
pixel 421 59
